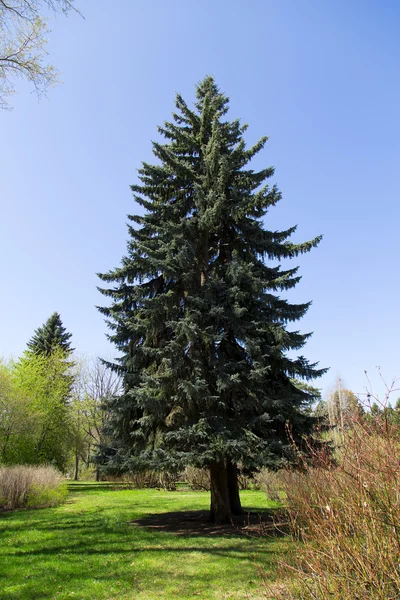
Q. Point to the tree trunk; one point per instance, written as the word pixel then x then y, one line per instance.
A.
pixel 76 474
pixel 220 510
pixel 97 473
pixel 233 488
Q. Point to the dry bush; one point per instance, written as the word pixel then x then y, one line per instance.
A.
pixel 271 482
pixel 22 486
pixel 146 479
pixel 246 482
pixel 347 518
pixel 197 479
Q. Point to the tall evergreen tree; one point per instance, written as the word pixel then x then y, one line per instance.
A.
pixel 196 315
pixel 50 337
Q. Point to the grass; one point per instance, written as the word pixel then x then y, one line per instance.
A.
pixel 91 549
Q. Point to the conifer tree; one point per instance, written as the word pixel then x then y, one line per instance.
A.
pixel 51 336
pixel 196 314
pixel 51 342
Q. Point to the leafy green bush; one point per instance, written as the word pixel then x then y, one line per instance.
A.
pixel 22 486
pixel 41 497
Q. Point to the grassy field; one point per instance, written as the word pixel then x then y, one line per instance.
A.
pixel 106 544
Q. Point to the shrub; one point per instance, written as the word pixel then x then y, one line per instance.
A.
pixel 197 479
pixel 23 486
pixel 146 479
pixel 271 482
pixel 347 517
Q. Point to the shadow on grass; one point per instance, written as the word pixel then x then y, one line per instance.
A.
pixel 253 522
pixel 154 581
pixel 94 546
pixel 105 549
pixel 76 487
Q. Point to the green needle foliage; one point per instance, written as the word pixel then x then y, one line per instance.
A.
pixel 51 336
pixel 196 315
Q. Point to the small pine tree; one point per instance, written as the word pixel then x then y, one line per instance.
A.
pixel 51 336
pixel 196 315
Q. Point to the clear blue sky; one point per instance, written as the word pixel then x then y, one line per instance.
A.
pixel 321 79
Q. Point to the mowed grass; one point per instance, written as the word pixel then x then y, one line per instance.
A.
pixel 90 549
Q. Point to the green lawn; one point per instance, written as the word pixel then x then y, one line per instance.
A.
pixel 90 549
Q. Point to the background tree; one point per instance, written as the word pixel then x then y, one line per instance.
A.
pixel 42 421
pixel 35 400
pixel 23 30
pixel 343 406
pixel 95 385
pixel 195 312
pixel 42 380
pixel 50 337
pixel 18 425
pixel 395 416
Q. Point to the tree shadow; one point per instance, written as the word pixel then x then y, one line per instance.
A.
pixel 76 487
pixel 253 522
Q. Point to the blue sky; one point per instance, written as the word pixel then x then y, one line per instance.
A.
pixel 321 79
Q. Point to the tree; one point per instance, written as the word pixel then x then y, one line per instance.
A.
pixel 35 394
pixel 18 425
pixel 43 381
pixel 50 337
pixel 42 378
pixel 195 313
pixel 95 384
pixel 396 413
pixel 23 44
pixel 343 407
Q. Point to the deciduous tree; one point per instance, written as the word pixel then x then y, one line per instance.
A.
pixel 23 30
pixel 43 382
pixel 95 385
pixel 18 425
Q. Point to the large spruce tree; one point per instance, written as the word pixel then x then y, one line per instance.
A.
pixel 205 340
